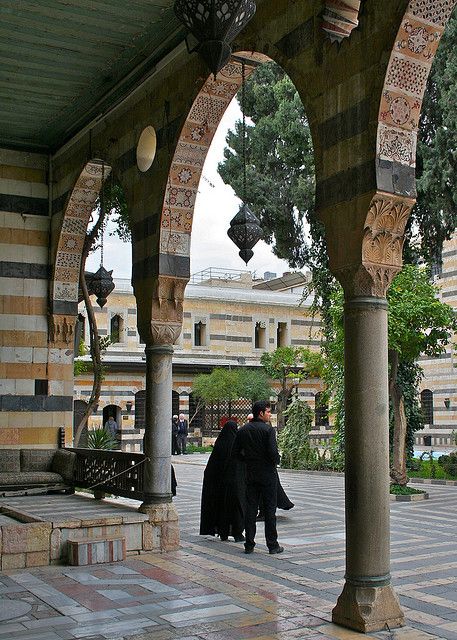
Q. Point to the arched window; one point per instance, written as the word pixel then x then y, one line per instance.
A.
pixel 116 329
pixel 140 409
pixel 427 406
pixel 320 410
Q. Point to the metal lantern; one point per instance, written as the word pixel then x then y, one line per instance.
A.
pixel 215 24
pixel 245 232
pixel 101 284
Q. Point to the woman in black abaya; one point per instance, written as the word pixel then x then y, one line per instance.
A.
pixel 223 491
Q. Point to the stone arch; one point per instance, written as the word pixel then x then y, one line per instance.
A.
pixel 187 164
pixel 405 81
pixel 64 284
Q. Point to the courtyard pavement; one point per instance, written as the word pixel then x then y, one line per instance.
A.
pixel 210 590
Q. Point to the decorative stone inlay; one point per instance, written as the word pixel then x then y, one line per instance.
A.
pixel 74 225
pixel 191 149
pixel 397 145
pixel 175 242
pixel 339 18
pixel 434 11
pixel 406 78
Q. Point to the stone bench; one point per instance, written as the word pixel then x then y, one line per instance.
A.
pixel 96 550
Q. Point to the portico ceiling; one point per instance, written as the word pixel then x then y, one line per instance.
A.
pixel 64 62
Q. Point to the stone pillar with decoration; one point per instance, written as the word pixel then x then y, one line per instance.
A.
pixel 159 324
pixel 368 601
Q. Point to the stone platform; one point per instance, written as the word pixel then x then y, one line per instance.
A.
pixel 35 530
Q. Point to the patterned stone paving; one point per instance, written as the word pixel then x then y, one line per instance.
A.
pixel 210 590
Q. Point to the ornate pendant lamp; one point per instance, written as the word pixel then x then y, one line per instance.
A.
pixel 244 229
pixel 101 283
pixel 215 24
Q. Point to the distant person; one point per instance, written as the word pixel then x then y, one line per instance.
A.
pixel 183 430
pixel 111 427
pixel 174 436
pixel 224 488
pixel 255 443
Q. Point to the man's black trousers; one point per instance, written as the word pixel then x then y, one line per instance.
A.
pixel 261 489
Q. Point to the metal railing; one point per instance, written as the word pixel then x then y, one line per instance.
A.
pixel 115 472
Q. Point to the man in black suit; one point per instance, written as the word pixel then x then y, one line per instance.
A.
pixel 255 443
pixel 183 430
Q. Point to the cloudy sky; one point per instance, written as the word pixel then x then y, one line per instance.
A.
pixel 215 206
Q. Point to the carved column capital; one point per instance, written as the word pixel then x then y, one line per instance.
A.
pixel 160 315
pixel 381 250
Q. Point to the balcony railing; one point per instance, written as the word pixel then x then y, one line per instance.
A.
pixel 115 472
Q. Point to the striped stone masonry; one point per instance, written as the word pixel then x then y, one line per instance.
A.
pixel 89 551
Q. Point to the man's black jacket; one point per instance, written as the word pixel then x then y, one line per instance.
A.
pixel 255 443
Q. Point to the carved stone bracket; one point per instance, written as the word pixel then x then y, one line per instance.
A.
pixel 161 322
pixel 381 250
pixel 61 330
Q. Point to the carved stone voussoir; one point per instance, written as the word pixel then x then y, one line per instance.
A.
pixel 61 330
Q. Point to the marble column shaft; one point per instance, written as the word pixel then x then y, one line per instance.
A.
pixel 157 435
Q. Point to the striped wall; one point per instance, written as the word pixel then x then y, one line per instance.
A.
pixel 441 373
pixel 35 376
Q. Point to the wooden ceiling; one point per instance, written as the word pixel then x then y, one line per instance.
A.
pixel 64 62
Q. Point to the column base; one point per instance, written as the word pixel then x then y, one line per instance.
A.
pixel 368 609
pixel 164 518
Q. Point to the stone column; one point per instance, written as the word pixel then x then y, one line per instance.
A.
pixel 157 435
pixel 367 602
pixel 157 501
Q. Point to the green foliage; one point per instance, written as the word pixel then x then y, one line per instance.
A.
pixel 80 366
pixel 449 463
pixel 293 440
pixel 424 469
pixel 231 384
pixel 195 448
pixel 254 385
pixel 403 490
pixel 434 217
pixel 292 362
pixel 419 323
pixel 279 162
pixel 100 439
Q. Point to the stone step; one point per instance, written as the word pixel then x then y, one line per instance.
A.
pixel 96 550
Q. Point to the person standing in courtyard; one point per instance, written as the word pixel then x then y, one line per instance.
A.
pixel 223 490
pixel 174 436
pixel 183 430
pixel 255 444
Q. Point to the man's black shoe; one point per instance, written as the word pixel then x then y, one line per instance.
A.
pixel 277 549
pixel 239 538
pixel 248 549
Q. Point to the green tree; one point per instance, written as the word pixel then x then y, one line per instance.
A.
pixel 230 384
pixel 419 324
pixel 434 217
pixel 279 162
pixel 293 440
pixel 290 365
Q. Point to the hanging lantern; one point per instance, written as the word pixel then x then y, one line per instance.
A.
pixel 101 284
pixel 245 232
pixel 215 24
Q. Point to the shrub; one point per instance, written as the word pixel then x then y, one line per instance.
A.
pixel 449 463
pixel 293 440
pixel 100 439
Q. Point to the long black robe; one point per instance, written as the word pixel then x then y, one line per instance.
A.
pixel 223 491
